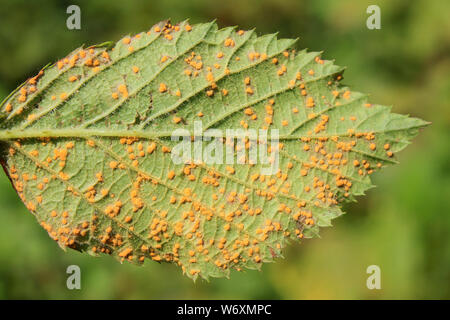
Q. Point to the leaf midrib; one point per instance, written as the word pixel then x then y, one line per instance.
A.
pixel 14 134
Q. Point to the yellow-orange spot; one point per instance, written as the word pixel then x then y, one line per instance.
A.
pixel 229 42
pixel 113 164
pixel 230 169
pixel 176 119
pixel 162 87
pixel 123 90
pixel 124 253
pixel 151 148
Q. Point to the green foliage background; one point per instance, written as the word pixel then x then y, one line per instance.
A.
pixel 402 225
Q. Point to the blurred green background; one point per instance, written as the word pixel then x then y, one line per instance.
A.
pixel 403 225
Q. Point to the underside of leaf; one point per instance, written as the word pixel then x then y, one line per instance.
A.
pixel 87 146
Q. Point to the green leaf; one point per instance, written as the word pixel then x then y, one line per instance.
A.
pixel 86 145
